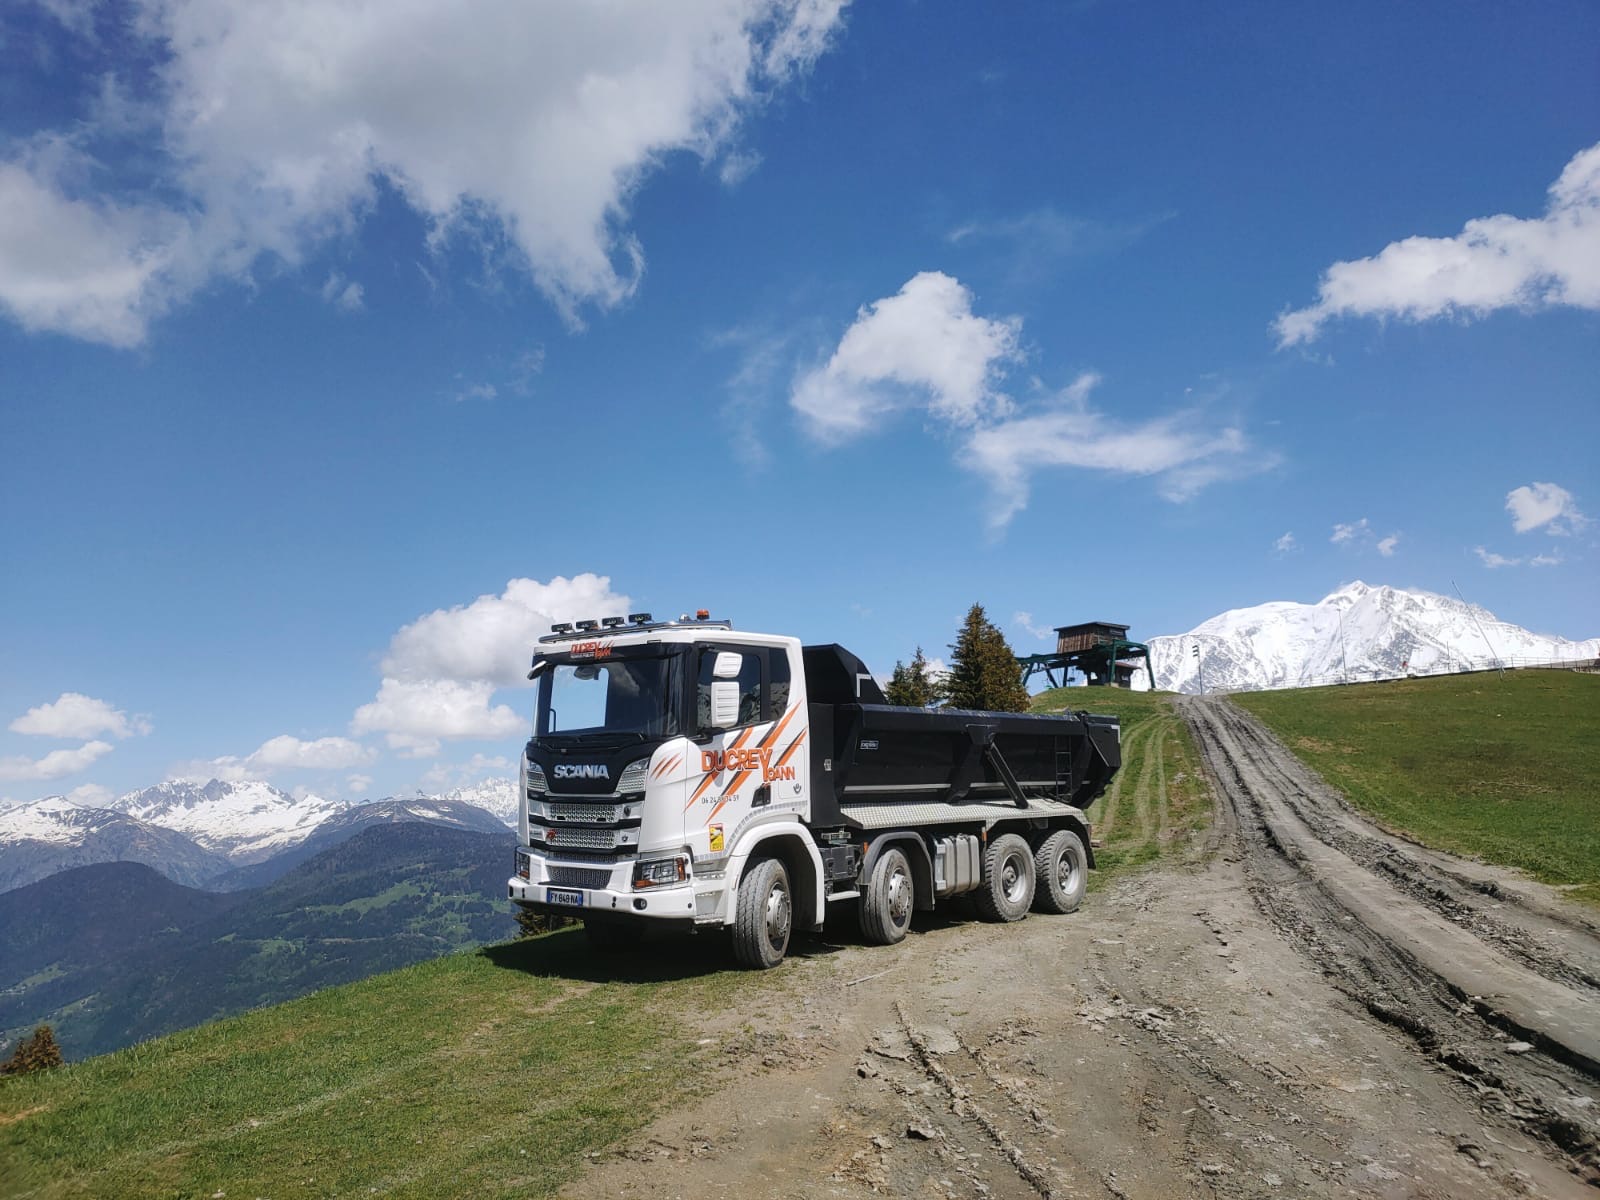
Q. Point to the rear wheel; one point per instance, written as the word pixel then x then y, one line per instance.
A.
pixel 763 916
pixel 1061 866
pixel 890 897
pixel 1007 888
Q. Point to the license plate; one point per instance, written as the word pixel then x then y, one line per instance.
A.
pixel 557 896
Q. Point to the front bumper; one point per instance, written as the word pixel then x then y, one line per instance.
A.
pixel 588 887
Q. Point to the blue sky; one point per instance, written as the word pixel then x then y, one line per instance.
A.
pixel 338 355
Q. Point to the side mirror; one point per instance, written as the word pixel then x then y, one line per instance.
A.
pixel 725 703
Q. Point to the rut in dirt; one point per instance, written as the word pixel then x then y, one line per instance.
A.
pixel 1460 969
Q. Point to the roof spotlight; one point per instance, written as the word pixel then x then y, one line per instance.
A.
pixel 561 627
pixel 588 626
pixel 639 618
pixel 611 622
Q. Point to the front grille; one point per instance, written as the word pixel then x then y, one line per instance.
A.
pixel 568 838
pixel 558 811
pixel 583 877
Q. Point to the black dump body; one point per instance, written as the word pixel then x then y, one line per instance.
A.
pixel 876 752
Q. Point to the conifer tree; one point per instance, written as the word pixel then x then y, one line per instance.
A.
pixel 913 686
pixel 37 1052
pixel 984 673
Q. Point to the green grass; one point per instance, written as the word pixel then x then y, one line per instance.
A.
pixel 1506 770
pixel 480 1074
pixel 1159 798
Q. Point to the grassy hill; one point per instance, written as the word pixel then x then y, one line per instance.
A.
pixel 1503 769
pixel 1160 798
pixel 484 1073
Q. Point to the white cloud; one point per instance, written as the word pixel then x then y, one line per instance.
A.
pixel 1183 451
pixel 924 348
pixel 1025 621
pixel 329 753
pixel 921 347
pixel 1492 560
pixel 416 713
pixel 526 127
pixel 282 753
pixel 1544 504
pixel 1285 544
pixel 74 715
pixel 441 671
pixel 91 795
pixel 1495 262
pixel 1545 560
pixel 344 294
pixel 1352 532
pixel 493 638
pixel 1360 535
pixel 358 784
pixel 56 764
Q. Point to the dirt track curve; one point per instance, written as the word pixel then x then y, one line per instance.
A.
pixel 1303 1005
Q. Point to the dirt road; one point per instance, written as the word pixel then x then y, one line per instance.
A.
pixel 1301 1005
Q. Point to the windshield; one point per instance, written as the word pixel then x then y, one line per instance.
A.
pixel 618 697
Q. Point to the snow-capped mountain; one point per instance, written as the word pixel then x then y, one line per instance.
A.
pixel 246 821
pixel 498 796
pixel 348 822
pixel 1357 632
pixel 49 835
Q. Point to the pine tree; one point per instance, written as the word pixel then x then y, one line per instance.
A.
pixel 984 673
pixel 913 686
pixel 37 1052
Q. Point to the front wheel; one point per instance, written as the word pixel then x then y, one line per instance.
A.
pixel 887 903
pixel 1007 888
pixel 763 916
pixel 1062 867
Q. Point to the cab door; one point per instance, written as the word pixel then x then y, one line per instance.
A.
pixel 749 744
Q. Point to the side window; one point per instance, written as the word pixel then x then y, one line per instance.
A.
pixel 778 685
pixel 749 688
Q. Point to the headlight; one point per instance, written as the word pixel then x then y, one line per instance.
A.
pixel 535 780
pixel 659 872
pixel 633 776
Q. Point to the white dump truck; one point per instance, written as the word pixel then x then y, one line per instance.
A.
pixel 686 773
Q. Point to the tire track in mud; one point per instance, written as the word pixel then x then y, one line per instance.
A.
pixel 1326 813
pixel 1106 819
pixel 1451 982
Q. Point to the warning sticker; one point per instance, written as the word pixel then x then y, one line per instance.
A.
pixel 716 839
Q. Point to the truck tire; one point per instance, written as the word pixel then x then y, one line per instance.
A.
pixel 763 916
pixel 610 936
pixel 1061 871
pixel 889 900
pixel 1007 887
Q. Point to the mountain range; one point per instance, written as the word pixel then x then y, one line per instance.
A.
pixel 1357 632
pixel 220 835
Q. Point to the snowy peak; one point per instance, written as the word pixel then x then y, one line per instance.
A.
pixel 1356 632
pixel 245 820
pixel 52 834
pixel 497 796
